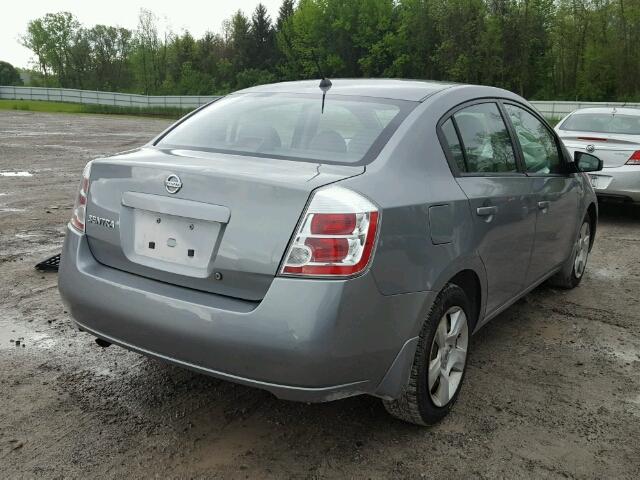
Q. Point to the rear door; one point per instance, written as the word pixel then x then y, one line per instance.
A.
pixel 500 195
pixel 556 191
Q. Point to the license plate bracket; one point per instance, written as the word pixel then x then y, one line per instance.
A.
pixel 172 243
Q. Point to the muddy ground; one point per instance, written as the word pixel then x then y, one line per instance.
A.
pixel 553 388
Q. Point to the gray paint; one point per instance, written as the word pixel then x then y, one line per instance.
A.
pixel 264 202
pixel 440 225
pixel 413 90
pixel 309 339
pixel 311 335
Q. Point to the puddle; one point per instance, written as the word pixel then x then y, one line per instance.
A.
pixel 608 273
pixel 35 339
pixel 14 326
pixel 27 235
pixel 16 174
pixel 15 336
pixel 625 352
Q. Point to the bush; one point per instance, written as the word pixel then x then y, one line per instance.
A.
pixel 9 75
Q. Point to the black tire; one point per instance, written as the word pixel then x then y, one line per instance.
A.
pixel 415 404
pixel 568 278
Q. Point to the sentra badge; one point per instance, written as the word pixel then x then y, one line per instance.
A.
pixel 103 222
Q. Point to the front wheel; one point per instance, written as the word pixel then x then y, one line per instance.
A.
pixel 440 361
pixel 571 275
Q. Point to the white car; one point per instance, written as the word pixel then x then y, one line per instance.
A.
pixel 613 135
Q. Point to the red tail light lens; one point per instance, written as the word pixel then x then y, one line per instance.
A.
pixel 336 237
pixel 333 224
pixel 634 159
pixel 327 250
pixel 80 207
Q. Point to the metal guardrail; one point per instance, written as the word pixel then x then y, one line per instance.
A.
pixel 73 95
pixel 547 108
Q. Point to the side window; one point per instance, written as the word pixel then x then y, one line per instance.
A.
pixel 486 141
pixel 538 144
pixel 454 144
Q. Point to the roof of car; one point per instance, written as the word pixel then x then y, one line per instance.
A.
pixel 609 110
pixel 413 90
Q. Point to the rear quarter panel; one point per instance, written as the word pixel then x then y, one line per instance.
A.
pixel 410 176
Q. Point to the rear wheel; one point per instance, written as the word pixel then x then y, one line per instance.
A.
pixel 572 273
pixel 440 361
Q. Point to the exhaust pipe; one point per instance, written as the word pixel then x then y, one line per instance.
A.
pixel 102 343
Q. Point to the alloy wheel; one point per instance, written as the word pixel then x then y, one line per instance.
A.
pixel 582 250
pixel 448 355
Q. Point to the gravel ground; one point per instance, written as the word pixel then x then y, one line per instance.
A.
pixel 553 388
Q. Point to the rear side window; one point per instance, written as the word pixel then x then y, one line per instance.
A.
pixel 538 145
pixel 454 144
pixel 485 140
pixel 345 130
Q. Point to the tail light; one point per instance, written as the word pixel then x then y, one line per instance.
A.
pixel 80 207
pixel 634 159
pixel 336 237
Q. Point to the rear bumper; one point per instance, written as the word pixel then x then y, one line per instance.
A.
pixel 619 182
pixel 307 340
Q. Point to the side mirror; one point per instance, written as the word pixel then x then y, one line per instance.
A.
pixel 585 162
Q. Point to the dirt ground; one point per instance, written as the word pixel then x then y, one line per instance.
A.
pixel 552 391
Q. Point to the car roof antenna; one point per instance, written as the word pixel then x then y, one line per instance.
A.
pixel 325 83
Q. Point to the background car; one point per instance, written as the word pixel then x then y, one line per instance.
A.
pixel 322 245
pixel 613 135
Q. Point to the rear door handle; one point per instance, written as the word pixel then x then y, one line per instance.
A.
pixel 486 211
pixel 543 205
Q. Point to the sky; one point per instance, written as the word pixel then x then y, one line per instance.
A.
pixel 195 16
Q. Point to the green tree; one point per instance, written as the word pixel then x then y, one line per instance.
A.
pixel 263 52
pixel 566 49
pixel 53 38
pixel 149 53
pixel 284 13
pixel 110 53
pixel 9 75
pixel 240 40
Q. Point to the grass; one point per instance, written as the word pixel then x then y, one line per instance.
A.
pixel 63 107
pixel 553 121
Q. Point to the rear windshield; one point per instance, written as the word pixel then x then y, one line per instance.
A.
pixel 349 130
pixel 603 123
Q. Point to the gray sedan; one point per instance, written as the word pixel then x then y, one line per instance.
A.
pixel 613 134
pixel 323 240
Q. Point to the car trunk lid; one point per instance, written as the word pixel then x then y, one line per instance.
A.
pixel 224 230
pixel 613 149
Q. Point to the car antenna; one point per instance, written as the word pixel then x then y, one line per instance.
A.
pixel 325 83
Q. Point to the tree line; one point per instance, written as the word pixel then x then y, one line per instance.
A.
pixel 541 49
